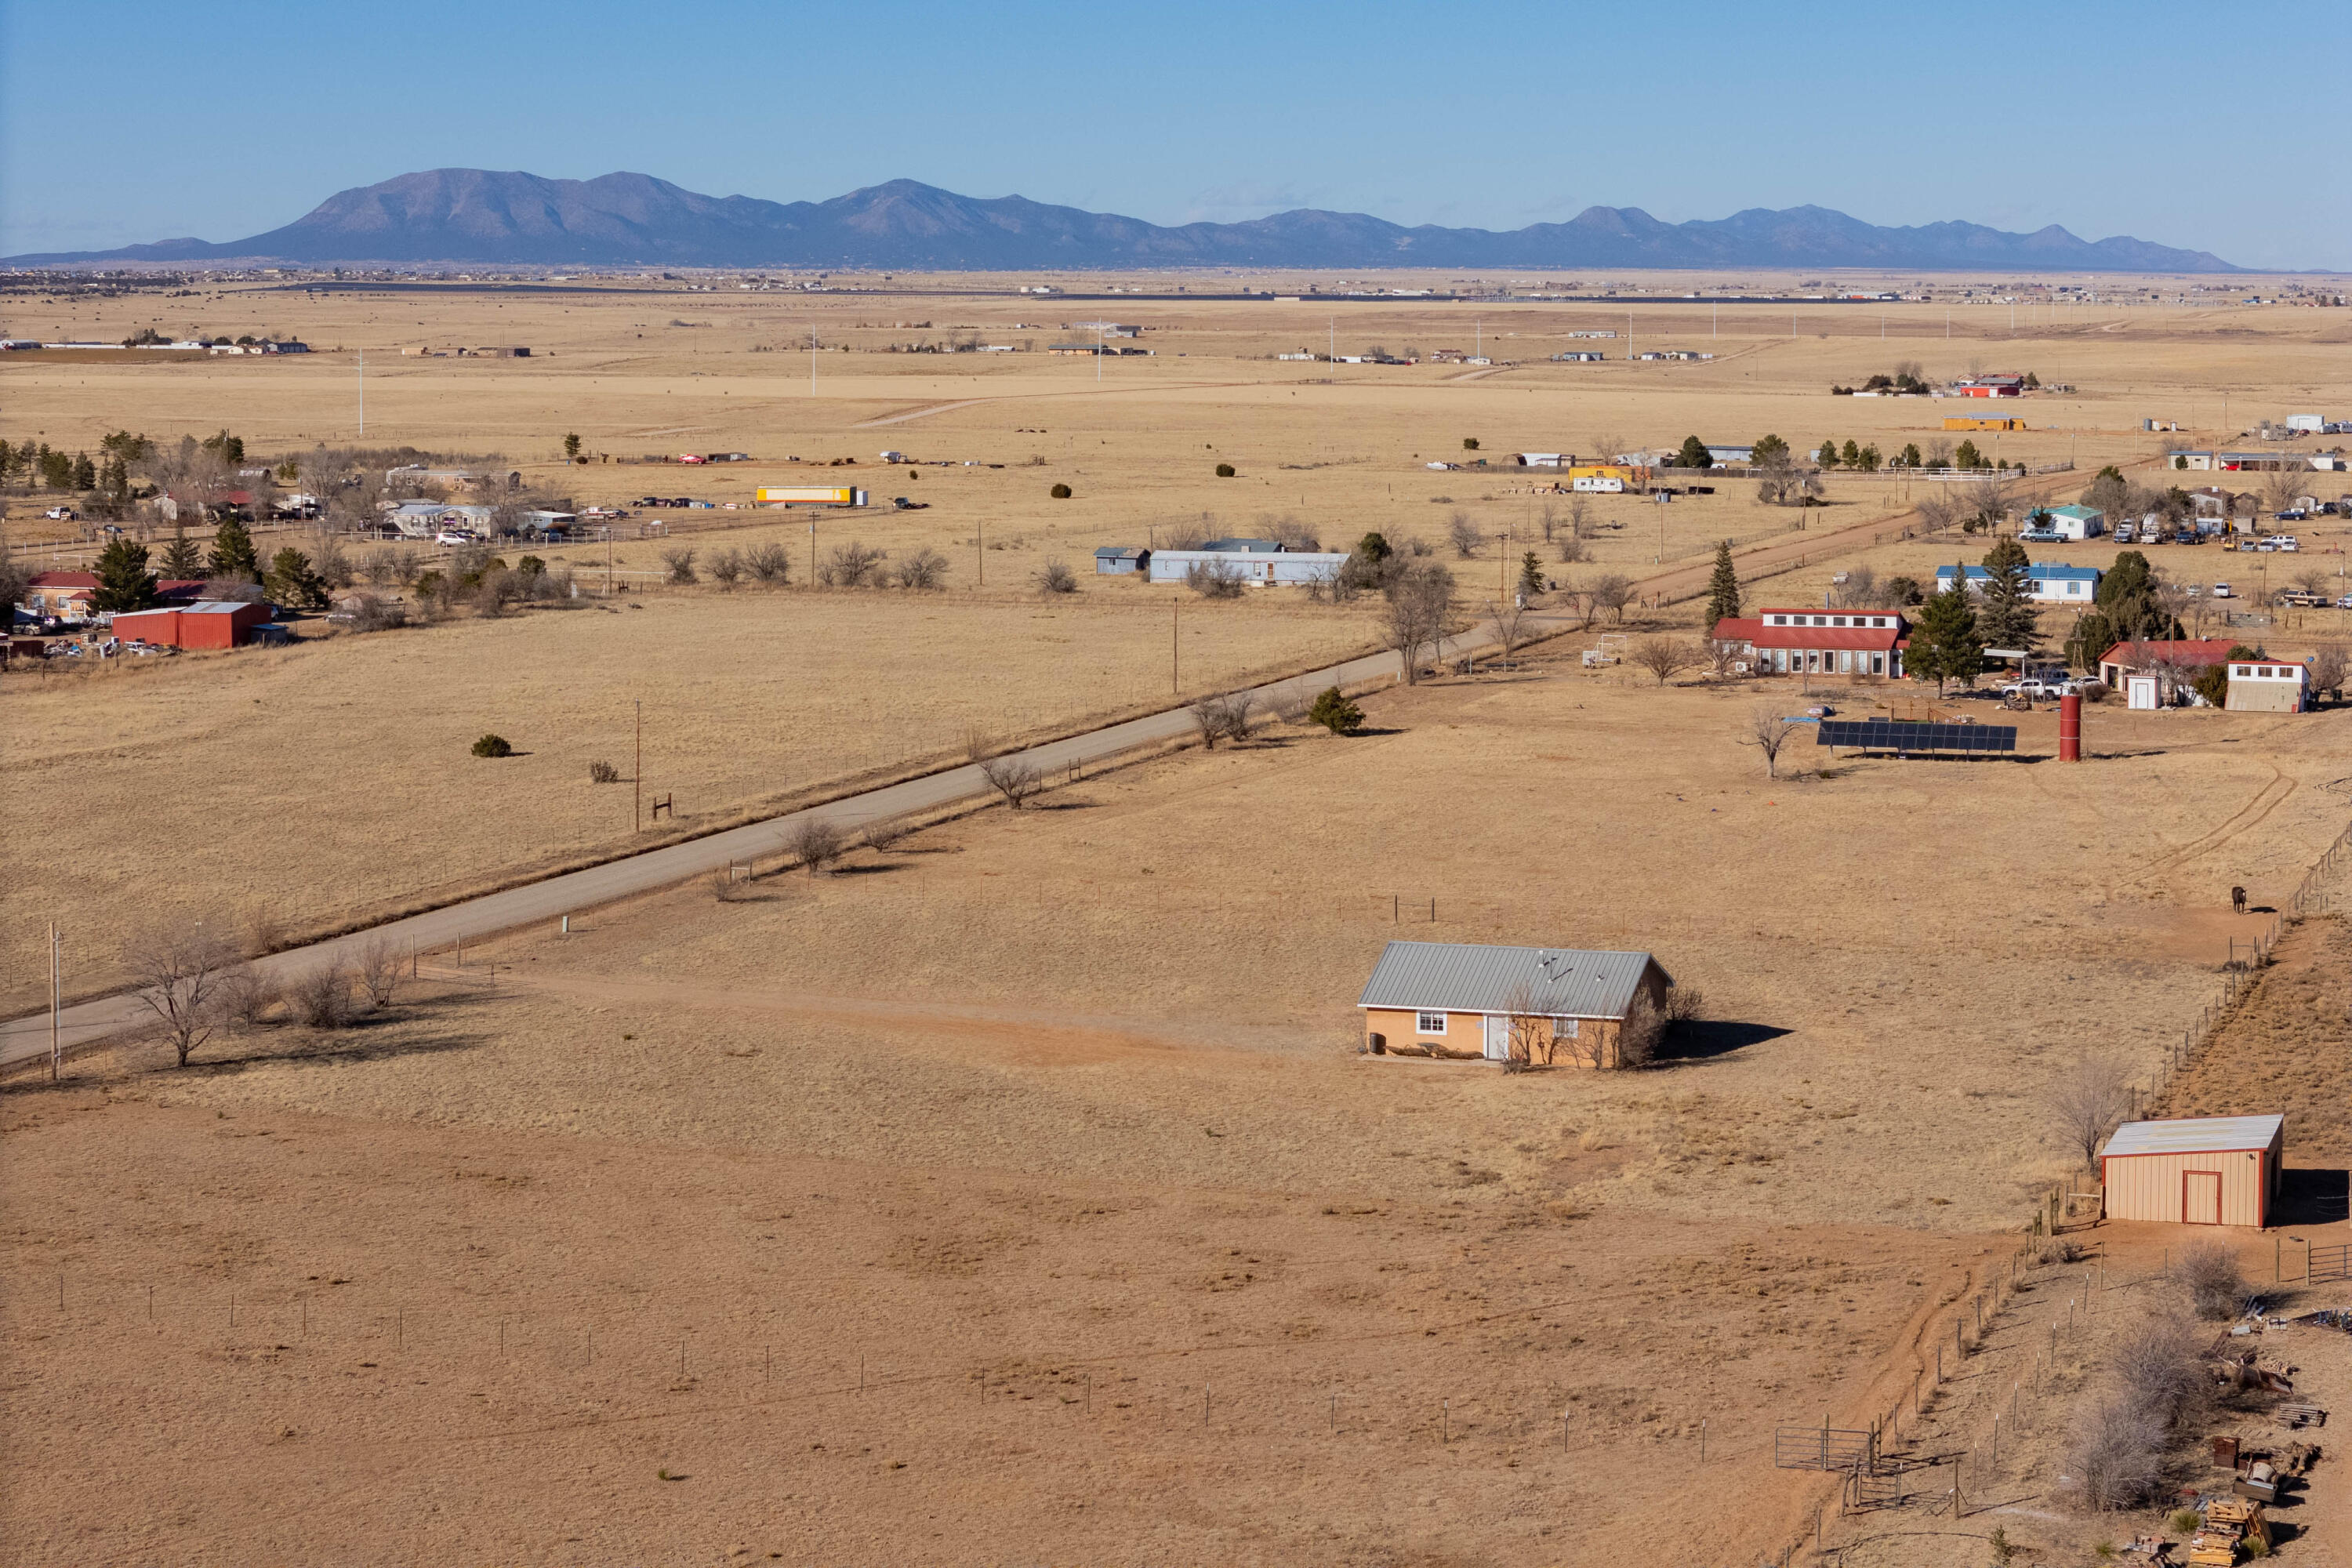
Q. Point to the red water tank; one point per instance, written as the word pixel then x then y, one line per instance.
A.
pixel 2070 728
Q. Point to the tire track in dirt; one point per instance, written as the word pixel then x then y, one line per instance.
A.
pixel 927 410
pixel 2230 826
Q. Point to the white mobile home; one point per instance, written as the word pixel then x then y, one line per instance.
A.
pixel 1259 569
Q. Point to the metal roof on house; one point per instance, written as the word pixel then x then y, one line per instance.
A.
pixel 1120 553
pixel 1468 977
pixel 2084 512
pixel 2194 1135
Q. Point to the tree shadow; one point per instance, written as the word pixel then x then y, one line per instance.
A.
pixel 352 1045
pixel 1063 805
pixel 2313 1196
pixel 1702 1039
pixel 866 870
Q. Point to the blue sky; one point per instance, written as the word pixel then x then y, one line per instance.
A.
pixel 2177 123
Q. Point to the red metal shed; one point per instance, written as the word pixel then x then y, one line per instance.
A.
pixel 209 624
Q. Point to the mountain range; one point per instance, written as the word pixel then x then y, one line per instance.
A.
pixel 478 216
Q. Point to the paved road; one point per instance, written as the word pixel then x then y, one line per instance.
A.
pixel 27 1038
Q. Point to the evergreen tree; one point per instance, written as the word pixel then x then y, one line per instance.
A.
pixel 572 447
pixel 1374 548
pixel 1722 589
pixel 84 473
pixel 1945 645
pixel 1531 577
pixel 1694 454
pixel 2007 618
pixel 1851 455
pixel 1828 454
pixel 1968 457
pixel 8 461
pixel 181 557
pixel 233 554
pixel 292 583
pixel 1768 447
pixel 1910 458
pixel 123 581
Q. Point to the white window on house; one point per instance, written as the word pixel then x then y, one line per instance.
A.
pixel 1432 1023
pixel 1780 620
pixel 2240 670
pixel 1563 1028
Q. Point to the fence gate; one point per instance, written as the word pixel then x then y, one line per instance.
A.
pixel 1822 1448
pixel 2330 1263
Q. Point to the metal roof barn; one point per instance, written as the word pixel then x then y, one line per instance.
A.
pixel 2205 1170
pixel 1466 977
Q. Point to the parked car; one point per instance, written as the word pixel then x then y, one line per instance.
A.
pixel 2221 590
pixel 62 514
pixel 2040 536
pixel 903 504
pixel 2124 534
pixel 2345 603
pixel 2287 543
pixel 454 536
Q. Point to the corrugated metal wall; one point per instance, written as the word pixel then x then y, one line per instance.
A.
pixel 2152 1187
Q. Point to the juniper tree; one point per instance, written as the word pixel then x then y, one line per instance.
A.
pixel 1723 588
pixel 233 554
pixel 181 557
pixel 2008 617
pixel 123 581
pixel 1945 641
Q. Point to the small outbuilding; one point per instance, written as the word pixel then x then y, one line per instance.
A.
pixel 2203 1170
pixel 1121 559
pixel 1562 1005
pixel 208 623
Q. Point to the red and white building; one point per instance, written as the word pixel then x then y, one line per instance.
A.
pixel 1991 386
pixel 1858 644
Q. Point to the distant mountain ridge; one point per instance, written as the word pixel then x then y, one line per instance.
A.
pixel 483 218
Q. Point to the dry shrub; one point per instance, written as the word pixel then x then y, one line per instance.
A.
pixel 1215 579
pixel 1641 1035
pixel 770 564
pixel 2116 1459
pixel 1685 1003
pixel 2158 1366
pixel 816 842
pixel 925 569
pixel 850 566
pixel 604 773
pixel 680 559
pixel 244 996
pixel 2087 1104
pixel 1665 656
pixel 885 833
pixel 728 888
pixel 1055 577
pixel 2216 1287
pixel 2059 1249
pixel 321 998
pixel 727 567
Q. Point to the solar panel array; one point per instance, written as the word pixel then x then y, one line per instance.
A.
pixel 1894 735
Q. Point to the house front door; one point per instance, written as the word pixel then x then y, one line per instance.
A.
pixel 1498 1039
pixel 2200 1197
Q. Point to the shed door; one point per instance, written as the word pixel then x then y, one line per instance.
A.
pixel 2200 1197
pixel 1498 1037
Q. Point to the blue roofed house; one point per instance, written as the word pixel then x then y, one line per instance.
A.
pixel 1539 1006
pixel 2050 582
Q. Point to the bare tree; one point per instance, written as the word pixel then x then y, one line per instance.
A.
pixel 727 567
pixel 885 833
pixel 1464 535
pixel 1215 579
pixel 1014 778
pixel 1768 733
pixel 1532 1035
pixel 177 976
pixel 1548 518
pixel 815 841
pixel 2283 486
pixel 1514 627
pixel 1938 511
pixel 1722 657
pixel 925 569
pixel 1580 522
pixel 379 972
pixel 2327 671
pixel 1572 549
pixel 1055 577
pixel 680 559
pixel 1419 600
pixel 2087 1103
pixel 1611 592
pixel 1226 717
pixel 1664 657
pixel 1641 1034
pixel 244 996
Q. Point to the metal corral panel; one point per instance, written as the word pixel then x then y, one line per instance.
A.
pixel 1563 983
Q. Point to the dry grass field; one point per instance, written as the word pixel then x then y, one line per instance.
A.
pixel 1049 1128
pixel 1074 1094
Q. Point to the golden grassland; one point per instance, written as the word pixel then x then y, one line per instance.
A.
pixel 1067 1103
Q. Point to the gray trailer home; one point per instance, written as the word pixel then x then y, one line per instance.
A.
pixel 1284 568
pixel 1121 560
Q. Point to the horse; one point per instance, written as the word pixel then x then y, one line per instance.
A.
pixel 2238 900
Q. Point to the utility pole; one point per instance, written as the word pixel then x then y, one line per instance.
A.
pixel 362 392
pixel 812 359
pixel 55 1035
pixel 980 551
pixel 637 773
pixel 1175 612
pixel 1100 341
pixel 811 550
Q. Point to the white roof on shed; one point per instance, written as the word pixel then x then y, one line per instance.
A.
pixel 2194 1135
pixel 1466 977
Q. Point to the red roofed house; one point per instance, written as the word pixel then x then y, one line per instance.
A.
pixel 2173 664
pixel 1991 386
pixel 1861 644
pixel 68 595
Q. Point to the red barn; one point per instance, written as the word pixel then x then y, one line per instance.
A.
pixel 210 624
